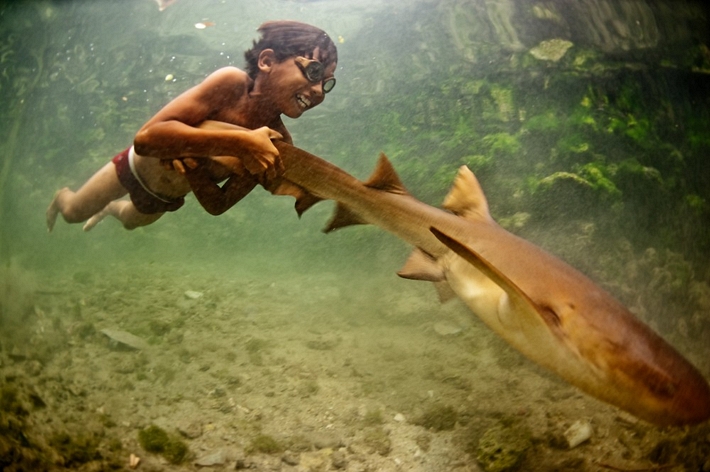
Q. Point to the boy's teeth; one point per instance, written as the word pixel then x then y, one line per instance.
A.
pixel 305 103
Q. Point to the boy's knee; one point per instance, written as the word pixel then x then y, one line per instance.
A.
pixel 129 225
pixel 73 214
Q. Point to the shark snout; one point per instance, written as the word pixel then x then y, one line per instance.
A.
pixel 660 385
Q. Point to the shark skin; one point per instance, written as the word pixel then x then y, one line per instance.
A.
pixel 540 305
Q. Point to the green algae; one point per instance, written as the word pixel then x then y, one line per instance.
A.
pixel 503 448
pixel 265 444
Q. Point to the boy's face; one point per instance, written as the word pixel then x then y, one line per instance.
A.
pixel 290 88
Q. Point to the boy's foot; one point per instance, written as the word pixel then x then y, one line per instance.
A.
pixel 52 212
pixel 97 218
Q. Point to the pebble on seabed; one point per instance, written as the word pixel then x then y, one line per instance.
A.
pixel 578 433
pixel 193 295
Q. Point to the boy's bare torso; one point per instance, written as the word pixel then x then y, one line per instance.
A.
pixel 168 183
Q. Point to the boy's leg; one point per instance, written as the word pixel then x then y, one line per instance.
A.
pixel 125 212
pixel 75 207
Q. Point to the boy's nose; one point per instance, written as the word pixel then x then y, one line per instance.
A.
pixel 317 88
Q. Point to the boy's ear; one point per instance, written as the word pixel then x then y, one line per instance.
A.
pixel 267 58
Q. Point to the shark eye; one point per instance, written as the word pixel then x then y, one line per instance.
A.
pixel 550 316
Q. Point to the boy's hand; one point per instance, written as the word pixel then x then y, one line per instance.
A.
pixel 181 166
pixel 264 157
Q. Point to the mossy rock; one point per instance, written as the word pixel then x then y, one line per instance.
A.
pixel 157 440
pixel 176 451
pixel 501 448
pixel 75 450
pixel 373 418
pixel 153 439
pixel 438 418
pixel 265 444
pixel 378 440
pixel 10 401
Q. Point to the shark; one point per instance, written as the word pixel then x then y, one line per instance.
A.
pixel 546 309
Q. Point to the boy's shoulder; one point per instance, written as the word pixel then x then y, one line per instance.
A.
pixel 225 79
pixel 230 73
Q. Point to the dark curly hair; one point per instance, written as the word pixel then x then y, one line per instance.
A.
pixel 290 39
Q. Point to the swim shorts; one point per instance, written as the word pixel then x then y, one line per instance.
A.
pixel 145 200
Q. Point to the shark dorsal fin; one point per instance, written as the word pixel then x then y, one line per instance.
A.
pixel 466 197
pixel 341 218
pixel 421 266
pixel 385 177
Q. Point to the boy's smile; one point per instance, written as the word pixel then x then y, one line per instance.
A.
pixel 304 102
pixel 309 94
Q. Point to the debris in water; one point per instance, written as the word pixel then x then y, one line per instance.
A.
pixel 192 295
pixel 204 24
pixel 163 4
pixel 125 338
pixel 444 328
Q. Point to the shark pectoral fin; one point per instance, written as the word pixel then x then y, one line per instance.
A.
pixel 421 266
pixel 341 218
pixel 304 199
pixel 385 178
pixel 516 301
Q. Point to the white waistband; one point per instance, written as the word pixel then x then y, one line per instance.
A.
pixel 132 165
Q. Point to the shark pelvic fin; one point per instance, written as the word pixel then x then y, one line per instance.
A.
pixel 421 266
pixel 341 218
pixel 304 199
pixel 385 177
pixel 519 301
pixel 444 290
pixel 466 198
pixel 305 202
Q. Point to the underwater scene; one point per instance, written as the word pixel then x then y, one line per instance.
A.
pixel 254 340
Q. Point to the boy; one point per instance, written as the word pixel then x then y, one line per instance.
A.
pixel 289 71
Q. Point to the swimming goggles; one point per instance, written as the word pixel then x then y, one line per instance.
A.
pixel 314 72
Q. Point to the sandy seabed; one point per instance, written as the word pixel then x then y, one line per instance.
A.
pixel 298 370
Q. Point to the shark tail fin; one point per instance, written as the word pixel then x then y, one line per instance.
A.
pixel 385 178
pixel 466 198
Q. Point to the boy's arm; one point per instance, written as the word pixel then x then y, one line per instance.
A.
pixel 215 199
pixel 174 131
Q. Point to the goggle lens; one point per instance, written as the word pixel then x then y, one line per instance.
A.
pixel 314 72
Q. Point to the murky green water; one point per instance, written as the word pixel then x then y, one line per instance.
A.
pixel 586 123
